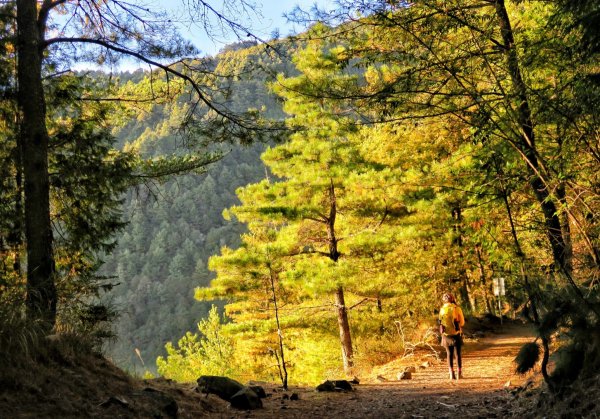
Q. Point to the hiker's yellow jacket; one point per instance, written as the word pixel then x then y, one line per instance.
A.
pixel 451 316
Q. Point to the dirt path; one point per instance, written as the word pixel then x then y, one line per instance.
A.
pixel 487 365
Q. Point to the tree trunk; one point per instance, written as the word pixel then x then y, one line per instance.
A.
pixel 344 325
pixel 561 194
pixel 531 293
pixel 283 373
pixel 41 290
pixel 464 287
pixel 486 296
pixel 342 311
pixel 331 237
pixel 526 145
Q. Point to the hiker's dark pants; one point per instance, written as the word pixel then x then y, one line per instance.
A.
pixel 453 344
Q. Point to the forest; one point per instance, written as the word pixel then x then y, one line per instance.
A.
pixel 289 208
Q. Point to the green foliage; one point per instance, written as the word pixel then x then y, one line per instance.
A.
pixel 425 164
pixel 165 166
pixel 20 339
pixel 425 198
pixel 88 178
pixel 210 353
pixel 148 375
pixel 425 151
pixel 329 220
pixel 495 87
pixel 10 218
pixel 26 344
pixel 314 357
pixel 162 254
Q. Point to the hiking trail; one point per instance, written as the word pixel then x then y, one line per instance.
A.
pixel 487 367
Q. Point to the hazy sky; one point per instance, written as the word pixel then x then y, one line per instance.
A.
pixel 268 18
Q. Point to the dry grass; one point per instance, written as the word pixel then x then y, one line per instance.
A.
pixel 61 375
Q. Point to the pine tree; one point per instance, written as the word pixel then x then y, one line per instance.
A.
pixel 323 206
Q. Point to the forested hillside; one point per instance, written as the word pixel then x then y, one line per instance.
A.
pixel 162 254
pixel 176 225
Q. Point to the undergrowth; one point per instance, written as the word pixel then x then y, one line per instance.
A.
pixel 27 346
pixel 570 324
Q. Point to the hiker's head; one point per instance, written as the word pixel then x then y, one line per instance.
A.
pixel 448 298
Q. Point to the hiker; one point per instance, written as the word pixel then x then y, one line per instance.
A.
pixel 451 322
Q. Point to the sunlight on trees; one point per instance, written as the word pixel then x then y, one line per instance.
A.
pixel 415 148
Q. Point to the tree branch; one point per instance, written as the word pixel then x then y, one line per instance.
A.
pixel 167 68
pixel 45 9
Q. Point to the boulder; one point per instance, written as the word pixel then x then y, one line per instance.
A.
pixel 410 369
pixel 335 385
pixel 223 387
pixel 406 375
pixel 115 401
pixel 326 386
pixel 259 390
pixel 246 399
pixel 343 384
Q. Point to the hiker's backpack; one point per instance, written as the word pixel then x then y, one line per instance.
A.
pixel 448 319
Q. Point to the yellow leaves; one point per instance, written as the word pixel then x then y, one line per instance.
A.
pixel 227 215
pixel 9 48
pixel 339 53
pixel 377 76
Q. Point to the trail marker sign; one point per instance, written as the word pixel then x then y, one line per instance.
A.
pixel 499 287
pixel 499 291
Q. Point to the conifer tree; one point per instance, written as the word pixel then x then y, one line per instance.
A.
pixel 324 203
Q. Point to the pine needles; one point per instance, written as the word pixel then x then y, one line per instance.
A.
pixel 528 356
